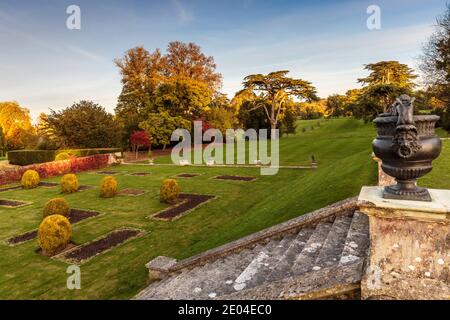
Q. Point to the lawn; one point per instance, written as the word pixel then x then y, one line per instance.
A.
pixel 341 147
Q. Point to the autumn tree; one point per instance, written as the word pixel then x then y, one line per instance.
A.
pixel 160 126
pixel 84 125
pixel 142 72
pixel 182 81
pixel 435 65
pixel 16 124
pixel 139 139
pixel 185 60
pixel 2 143
pixel 274 89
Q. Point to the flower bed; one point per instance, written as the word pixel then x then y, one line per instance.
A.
pixel 55 168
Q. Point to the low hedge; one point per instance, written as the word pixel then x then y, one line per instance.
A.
pixel 26 157
pixel 88 152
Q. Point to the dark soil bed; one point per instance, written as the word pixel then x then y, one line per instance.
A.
pixel 76 215
pixel 96 247
pixel 12 203
pixel 71 245
pixel 48 184
pixel 187 175
pixel 10 188
pixel 235 178
pixel 82 188
pixel 139 174
pixel 131 192
pixel 108 172
pixel 187 203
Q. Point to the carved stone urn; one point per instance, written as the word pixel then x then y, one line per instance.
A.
pixel 407 145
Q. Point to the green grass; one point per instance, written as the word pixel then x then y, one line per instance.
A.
pixel 341 146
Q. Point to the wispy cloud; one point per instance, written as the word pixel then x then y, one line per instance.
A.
pixel 184 15
pixel 86 54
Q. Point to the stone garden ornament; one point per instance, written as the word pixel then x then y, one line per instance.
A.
pixel 407 145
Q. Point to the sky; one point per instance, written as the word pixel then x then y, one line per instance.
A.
pixel 43 64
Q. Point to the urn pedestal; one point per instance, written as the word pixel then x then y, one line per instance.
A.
pixel 409 254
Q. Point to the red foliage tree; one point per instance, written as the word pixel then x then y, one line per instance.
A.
pixel 139 139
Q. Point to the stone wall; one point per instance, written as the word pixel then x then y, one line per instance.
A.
pixel 383 178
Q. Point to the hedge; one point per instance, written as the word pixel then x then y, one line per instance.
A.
pixel 88 152
pixel 27 157
pixel 55 168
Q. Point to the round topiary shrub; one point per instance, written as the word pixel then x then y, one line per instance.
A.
pixel 69 183
pixel 54 234
pixel 62 156
pixel 56 206
pixel 30 179
pixel 169 191
pixel 108 187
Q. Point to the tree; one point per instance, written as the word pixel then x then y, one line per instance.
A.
pixel 337 105
pixel 139 139
pixel 376 99
pixel 185 60
pixel 389 73
pixel 141 73
pixel 84 125
pixel 221 118
pixel 46 136
pixel 184 97
pixel 160 126
pixel 2 143
pixel 289 122
pixel 275 88
pixel 182 81
pixel 16 124
pixel 435 65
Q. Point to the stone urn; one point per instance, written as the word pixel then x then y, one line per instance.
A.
pixel 407 145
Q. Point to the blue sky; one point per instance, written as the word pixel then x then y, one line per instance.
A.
pixel 44 65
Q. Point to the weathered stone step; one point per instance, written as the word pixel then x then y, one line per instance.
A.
pixel 333 246
pixel 222 280
pixel 357 241
pixel 305 260
pixel 186 286
pixel 259 259
pixel 269 265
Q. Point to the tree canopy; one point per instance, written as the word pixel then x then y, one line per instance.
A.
pixel 389 73
pixel 274 89
pixel 16 124
pixel 84 125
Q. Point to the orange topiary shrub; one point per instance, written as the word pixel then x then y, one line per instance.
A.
pixel 54 234
pixel 30 179
pixel 169 191
pixel 69 183
pixel 56 206
pixel 108 187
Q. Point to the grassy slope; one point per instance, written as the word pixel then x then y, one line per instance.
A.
pixel 342 148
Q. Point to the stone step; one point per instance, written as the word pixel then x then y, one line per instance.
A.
pixel 357 241
pixel 186 287
pixel 267 268
pixel 222 279
pixel 206 285
pixel 259 259
pixel 330 254
pixel 304 262
pixel 283 268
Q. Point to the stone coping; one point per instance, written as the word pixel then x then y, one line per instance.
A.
pixel 371 198
pixel 281 229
